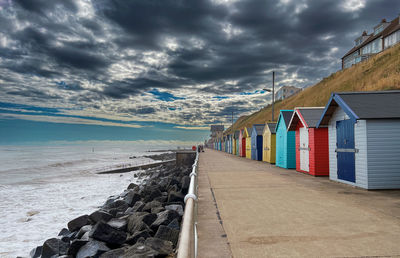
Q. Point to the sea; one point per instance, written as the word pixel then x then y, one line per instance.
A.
pixel 42 187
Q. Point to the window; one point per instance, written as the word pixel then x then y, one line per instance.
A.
pixel 378 30
pixel 392 39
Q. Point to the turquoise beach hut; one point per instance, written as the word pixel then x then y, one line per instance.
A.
pixel 257 141
pixel 285 141
pixel 237 134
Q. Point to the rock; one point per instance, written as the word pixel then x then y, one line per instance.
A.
pixel 174 224
pixel 93 248
pixel 85 236
pixel 64 232
pixel 78 222
pixel 164 218
pixel 185 182
pixel 132 197
pixel 138 206
pixel 173 182
pixel 132 239
pixel 140 250
pixel 156 210
pixel 137 222
pixel 148 206
pixel 54 246
pixel 119 205
pixel 162 247
pixel 154 193
pixel 175 207
pixel 104 232
pixel 132 186
pixel 118 223
pixel 36 252
pixel 100 215
pixel 149 218
pixel 116 253
pixel 76 245
pixel 175 197
pixel 83 230
pixel 167 233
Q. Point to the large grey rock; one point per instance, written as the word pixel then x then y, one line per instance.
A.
pixel 76 245
pixel 138 207
pixel 116 253
pixel 164 218
pixel 175 207
pixel 78 222
pixel 118 223
pixel 100 216
pixel 132 239
pixel 185 182
pixel 54 246
pixel 131 197
pixel 140 250
pixel 174 224
pixel 64 232
pixel 175 197
pixel 132 186
pixel 104 232
pixel 163 247
pixel 119 205
pixel 167 233
pixel 36 252
pixel 83 230
pixel 138 222
pixel 93 248
pixel 148 206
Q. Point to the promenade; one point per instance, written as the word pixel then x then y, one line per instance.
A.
pixel 272 212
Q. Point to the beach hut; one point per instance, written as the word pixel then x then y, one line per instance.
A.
pixel 269 143
pixel 257 141
pixel 247 136
pixel 236 143
pixel 364 142
pixel 312 152
pixel 242 144
pixel 230 143
pixel 285 141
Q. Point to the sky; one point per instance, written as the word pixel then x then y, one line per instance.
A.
pixel 162 70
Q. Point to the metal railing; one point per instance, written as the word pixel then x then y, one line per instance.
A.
pixel 188 239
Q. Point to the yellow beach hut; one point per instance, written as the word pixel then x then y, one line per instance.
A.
pixel 247 135
pixel 269 143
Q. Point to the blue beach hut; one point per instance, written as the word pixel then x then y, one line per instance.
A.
pixel 257 141
pixel 285 141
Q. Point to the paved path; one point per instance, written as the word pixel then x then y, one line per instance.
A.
pixel 272 212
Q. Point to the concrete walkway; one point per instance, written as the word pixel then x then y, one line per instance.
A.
pixel 272 212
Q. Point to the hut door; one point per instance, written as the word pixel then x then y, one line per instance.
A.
pixel 345 150
pixel 304 156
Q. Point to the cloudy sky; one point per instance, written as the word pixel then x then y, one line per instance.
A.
pixel 118 69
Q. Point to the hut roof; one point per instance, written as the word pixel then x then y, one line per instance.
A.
pixel 308 115
pixel 236 135
pixel 363 105
pixel 259 128
pixel 271 127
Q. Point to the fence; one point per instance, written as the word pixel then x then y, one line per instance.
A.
pixel 188 239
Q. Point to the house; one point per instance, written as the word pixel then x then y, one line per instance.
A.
pixel 269 143
pixel 235 150
pixel 285 141
pixel 312 151
pixel 257 141
pixel 385 35
pixel 364 142
pixel 242 144
pixel 285 92
pixel 247 142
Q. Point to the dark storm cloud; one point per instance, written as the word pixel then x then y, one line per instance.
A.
pixel 121 50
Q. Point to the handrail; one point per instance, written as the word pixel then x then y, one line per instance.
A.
pixel 188 238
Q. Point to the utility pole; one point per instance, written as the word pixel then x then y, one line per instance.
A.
pixel 273 94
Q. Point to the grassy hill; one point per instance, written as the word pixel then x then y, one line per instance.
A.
pixel 380 72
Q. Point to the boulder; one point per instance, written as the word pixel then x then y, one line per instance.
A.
pixel 175 197
pixel 162 247
pixel 83 230
pixel 131 197
pixel 86 236
pixel 175 207
pixel 174 224
pixel 119 205
pixel 156 210
pixel 100 215
pixel 64 232
pixel 78 222
pixel 140 250
pixel 54 246
pixel 76 245
pixel 137 222
pixel 132 239
pixel 104 232
pixel 185 182
pixel 116 253
pixel 36 252
pixel 153 193
pixel 167 233
pixel 164 218
pixel 148 206
pixel 93 248
pixel 118 223
pixel 138 206
pixel 132 186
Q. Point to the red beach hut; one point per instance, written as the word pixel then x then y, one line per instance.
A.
pixel 312 149
pixel 242 143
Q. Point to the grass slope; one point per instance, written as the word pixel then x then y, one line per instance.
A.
pixel 380 72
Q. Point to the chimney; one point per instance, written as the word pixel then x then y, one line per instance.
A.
pixel 364 33
pixel 383 20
